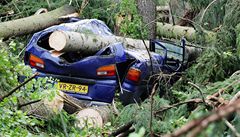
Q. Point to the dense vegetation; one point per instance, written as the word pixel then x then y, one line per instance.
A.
pixel 213 71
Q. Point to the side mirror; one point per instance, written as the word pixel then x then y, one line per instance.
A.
pixel 183 44
pixel 151 45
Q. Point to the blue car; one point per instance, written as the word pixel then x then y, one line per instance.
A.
pixel 98 76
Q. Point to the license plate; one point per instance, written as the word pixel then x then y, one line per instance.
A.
pixel 77 88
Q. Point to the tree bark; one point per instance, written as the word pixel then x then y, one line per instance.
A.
pixel 45 109
pixel 177 32
pixel 34 23
pixel 147 9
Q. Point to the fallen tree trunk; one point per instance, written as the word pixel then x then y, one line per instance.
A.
pixel 93 117
pixel 34 23
pixel 65 41
pixel 177 32
pixel 45 109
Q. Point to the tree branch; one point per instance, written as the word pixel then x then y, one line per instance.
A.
pixel 126 133
pixel 121 129
pixel 231 127
pixel 83 5
pixel 200 91
pixel 222 90
pixel 204 12
pixel 151 108
pixel 197 100
pixel 17 87
pixel 28 103
pixel 196 126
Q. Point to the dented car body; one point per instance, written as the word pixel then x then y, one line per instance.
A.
pixel 96 77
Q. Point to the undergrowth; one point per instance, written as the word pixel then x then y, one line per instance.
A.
pixel 169 120
pixel 211 72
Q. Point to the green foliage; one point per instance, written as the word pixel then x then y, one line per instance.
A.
pixel 189 92
pixel 162 2
pixel 236 123
pixel 231 18
pixel 13 122
pixel 62 121
pixel 214 15
pixel 104 10
pixel 133 27
pixel 176 117
pixel 140 114
pixel 10 67
pixel 168 121
pixel 199 4
pixel 216 130
pixel 213 65
pixel 218 61
pixel 238 38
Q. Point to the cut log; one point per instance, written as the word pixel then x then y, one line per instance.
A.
pixel 65 41
pixel 34 23
pixel 177 32
pixel 45 109
pixel 93 117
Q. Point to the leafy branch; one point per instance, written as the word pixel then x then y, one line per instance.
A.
pixel 17 87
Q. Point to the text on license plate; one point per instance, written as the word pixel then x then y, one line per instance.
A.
pixel 73 87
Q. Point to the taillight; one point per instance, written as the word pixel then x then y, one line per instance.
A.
pixel 133 74
pixel 109 70
pixel 34 61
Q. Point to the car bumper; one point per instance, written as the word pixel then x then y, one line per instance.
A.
pixel 98 90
